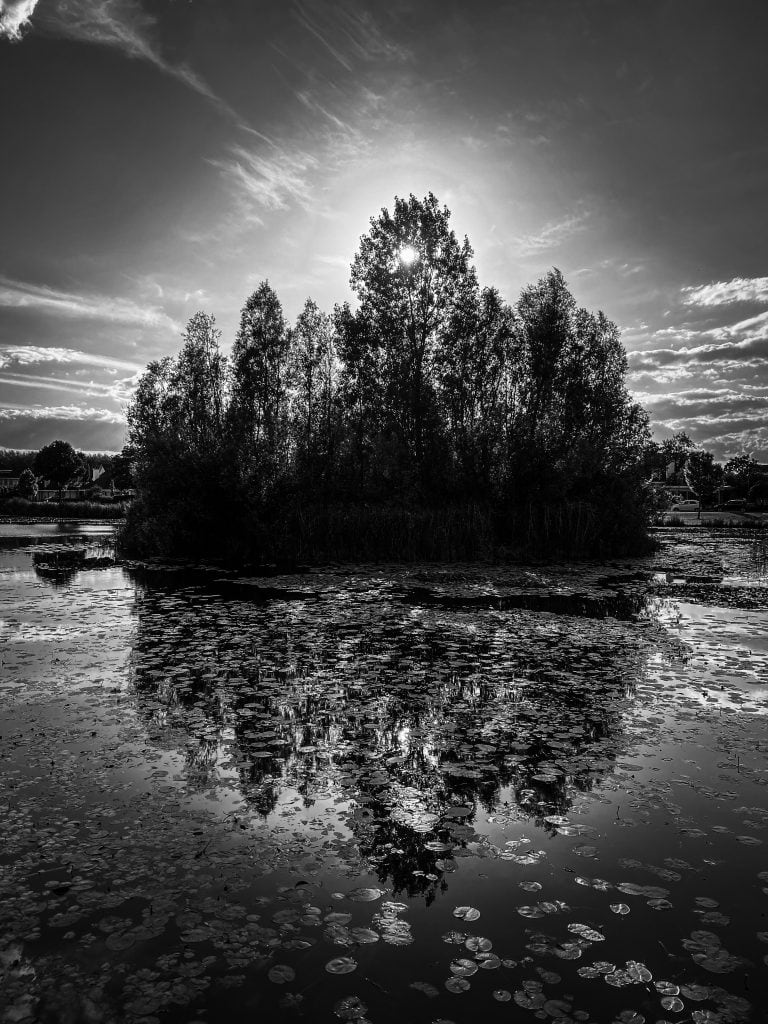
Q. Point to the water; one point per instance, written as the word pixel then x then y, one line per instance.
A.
pixel 406 794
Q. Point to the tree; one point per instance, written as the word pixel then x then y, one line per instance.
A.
pixel 740 471
pixel 409 274
pixel 28 485
pixel 153 410
pixel 199 384
pixel 703 476
pixel 259 357
pixel 571 424
pixel 473 366
pixel 312 377
pixel 361 392
pixel 122 469
pixel 432 409
pixel 545 313
pixel 676 450
pixel 57 462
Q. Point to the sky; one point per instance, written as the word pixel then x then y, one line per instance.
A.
pixel 160 157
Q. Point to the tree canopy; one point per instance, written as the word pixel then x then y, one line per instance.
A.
pixel 431 393
pixel 57 462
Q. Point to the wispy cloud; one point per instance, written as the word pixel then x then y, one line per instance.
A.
pixel 58 412
pixel 118 390
pixel 552 235
pixel 121 24
pixel 21 295
pixel 349 32
pixel 269 177
pixel 14 17
pixel 724 293
pixel 268 174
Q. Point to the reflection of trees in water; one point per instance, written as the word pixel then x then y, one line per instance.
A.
pixel 406 712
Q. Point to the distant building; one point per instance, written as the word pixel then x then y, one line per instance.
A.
pixel 7 481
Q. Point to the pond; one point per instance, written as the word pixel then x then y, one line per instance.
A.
pixel 384 793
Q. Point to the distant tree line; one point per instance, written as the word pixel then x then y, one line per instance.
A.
pixel 434 419
pixel 59 465
pixel 678 460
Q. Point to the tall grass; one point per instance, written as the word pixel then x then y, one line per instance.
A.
pixel 62 509
pixel 384 532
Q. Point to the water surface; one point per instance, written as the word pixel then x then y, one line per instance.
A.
pixel 382 793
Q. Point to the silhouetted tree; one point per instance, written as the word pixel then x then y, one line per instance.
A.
pixel 313 383
pixel 476 372
pixel 739 471
pixel 432 417
pixel 122 468
pixel 409 274
pixel 259 356
pixel 199 384
pixel 703 476
pixel 675 450
pixel 28 485
pixel 57 462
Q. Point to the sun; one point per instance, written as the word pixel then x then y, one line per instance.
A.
pixel 408 255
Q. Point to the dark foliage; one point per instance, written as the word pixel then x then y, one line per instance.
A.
pixel 433 421
pixel 57 462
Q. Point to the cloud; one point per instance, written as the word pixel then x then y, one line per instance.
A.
pixel 14 17
pixel 121 24
pixel 271 180
pixel 705 405
pixel 551 235
pixel 755 328
pixel 723 293
pixel 58 412
pixel 20 295
pixel 32 355
pixel 348 32
pixel 118 391
pixel 743 342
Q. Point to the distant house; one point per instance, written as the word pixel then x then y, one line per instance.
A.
pixel 675 492
pixel 8 482
pixel 78 487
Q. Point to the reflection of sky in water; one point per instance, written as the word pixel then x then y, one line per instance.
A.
pixel 538 766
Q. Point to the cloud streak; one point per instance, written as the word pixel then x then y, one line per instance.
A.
pixel 118 391
pixel 121 24
pixel 33 355
pixel 41 298
pixel 725 293
pixel 551 235
pixel 271 180
pixel 349 33
pixel 58 412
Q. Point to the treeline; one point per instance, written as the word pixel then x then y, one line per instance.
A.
pixel 677 460
pixel 434 420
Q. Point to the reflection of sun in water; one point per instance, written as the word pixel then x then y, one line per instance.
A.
pixel 408 255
